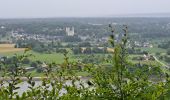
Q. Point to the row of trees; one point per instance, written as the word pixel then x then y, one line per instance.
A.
pixel 41 47
pixel 89 50
pixel 165 45
pixel 136 51
pixel 165 58
pixel 44 47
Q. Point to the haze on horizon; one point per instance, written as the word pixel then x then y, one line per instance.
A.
pixel 80 8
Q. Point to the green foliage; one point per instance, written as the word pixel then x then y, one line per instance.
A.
pixel 168 51
pixel 121 82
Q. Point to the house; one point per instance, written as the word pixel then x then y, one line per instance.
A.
pixel 146 57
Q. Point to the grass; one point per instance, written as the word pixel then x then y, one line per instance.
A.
pixel 154 63
pixel 59 57
pixel 135 55
pixel 9 50
pixel 49 58
pixel 36 74
pixel 153 50
pixel 149 62
pixel 82 74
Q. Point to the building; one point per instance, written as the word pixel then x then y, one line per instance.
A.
pixel 2 27
pixel 70 31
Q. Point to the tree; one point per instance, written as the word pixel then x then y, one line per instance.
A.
pixel 97 50
pixel 158 53
pixel 85 44
pixel 26 61
pixel 34 64
pixel 77 50
pixel 71 39
pixel 87 50
pixel 167 59
pixel 168 51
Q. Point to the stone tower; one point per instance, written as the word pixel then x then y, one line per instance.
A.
pixel 70 31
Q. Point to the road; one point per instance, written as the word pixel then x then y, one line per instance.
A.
pixel 160 62
pixel 164 66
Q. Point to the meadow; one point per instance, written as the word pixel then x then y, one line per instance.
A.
pixel 153 50
pixel 9 50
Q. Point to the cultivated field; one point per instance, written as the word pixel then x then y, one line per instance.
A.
pixel 5 48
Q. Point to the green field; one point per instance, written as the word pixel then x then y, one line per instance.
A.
pixel 49 58
pixel 153 50
pixel 59 58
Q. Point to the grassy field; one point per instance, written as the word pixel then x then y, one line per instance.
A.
pixel 154 50
pixel 54 57
pixel 9 50
pixel 49 58
pixel 149 62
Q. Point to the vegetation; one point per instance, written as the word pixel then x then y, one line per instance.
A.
pixel 168 51
pixel 120 80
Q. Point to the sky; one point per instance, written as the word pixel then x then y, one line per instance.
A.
pixel 79 8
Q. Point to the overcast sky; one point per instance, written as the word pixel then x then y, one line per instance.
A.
pixel 79 8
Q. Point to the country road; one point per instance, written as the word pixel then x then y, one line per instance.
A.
pixel 164 66
pixel 160 62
